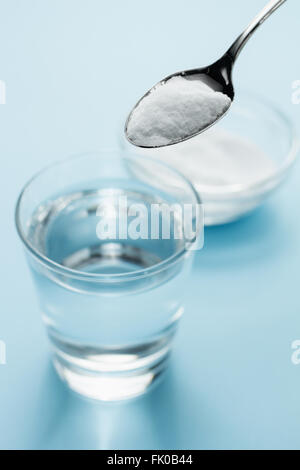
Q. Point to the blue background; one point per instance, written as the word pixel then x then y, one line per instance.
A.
pixel 73 68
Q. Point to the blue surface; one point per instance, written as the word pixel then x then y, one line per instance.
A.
pixel 73 68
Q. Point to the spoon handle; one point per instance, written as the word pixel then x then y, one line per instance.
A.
pixel 238 45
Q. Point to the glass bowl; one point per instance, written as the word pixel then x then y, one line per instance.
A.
pixel 264 127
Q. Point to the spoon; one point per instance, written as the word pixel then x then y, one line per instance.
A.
pixel 217 77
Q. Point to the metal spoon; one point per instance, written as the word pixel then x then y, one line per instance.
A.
pixel 217 76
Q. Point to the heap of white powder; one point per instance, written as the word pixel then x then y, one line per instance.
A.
pixel 216 159
pixel 174 111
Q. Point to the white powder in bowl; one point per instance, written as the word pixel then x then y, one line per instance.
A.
pixel 174 111
pixel 216 159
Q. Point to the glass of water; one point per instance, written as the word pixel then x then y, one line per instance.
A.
pixel 109 239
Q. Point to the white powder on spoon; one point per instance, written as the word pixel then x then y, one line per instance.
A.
pixel 174 111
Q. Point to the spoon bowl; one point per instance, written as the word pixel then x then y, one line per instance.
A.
pixel 216 76
pixel 217 80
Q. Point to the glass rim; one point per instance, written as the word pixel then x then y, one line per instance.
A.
pixel 82 275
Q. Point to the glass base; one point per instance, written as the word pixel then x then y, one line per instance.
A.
pixel 111 374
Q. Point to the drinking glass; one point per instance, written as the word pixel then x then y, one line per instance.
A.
pixel 110 264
